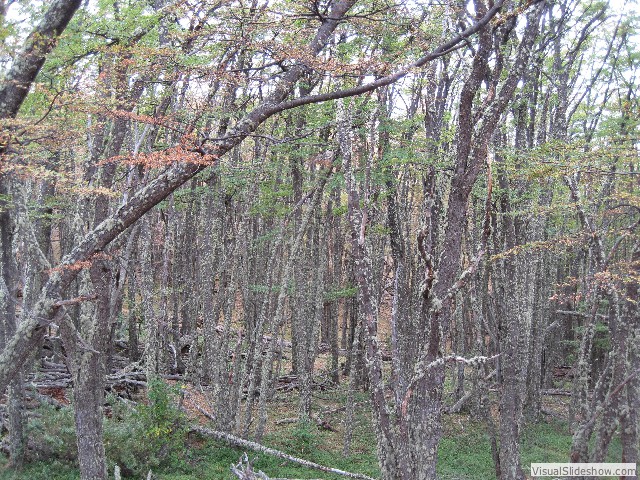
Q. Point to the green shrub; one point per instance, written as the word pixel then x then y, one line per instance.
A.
pixel 304 438
pixel 149 436
pixel 136 438
pixel 52 435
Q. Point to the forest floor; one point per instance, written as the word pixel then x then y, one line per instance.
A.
pixel 464 453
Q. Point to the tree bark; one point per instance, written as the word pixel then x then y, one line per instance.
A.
pixel 29 61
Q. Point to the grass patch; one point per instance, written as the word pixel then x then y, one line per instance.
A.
pixel 39 470
pixel 545 442
pixel 153 437
pixel 465 453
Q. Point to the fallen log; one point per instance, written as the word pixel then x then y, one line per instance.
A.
pixel 244 471
pixel 256 447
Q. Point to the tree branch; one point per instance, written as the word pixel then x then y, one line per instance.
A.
pixel 29 61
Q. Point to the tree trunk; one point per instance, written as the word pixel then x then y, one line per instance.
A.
pixel 8 301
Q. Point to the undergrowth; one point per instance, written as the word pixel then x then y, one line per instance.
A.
pixel 139 438
pixel 154 436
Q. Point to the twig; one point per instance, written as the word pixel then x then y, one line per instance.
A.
pixel 75 301
pixel 421 370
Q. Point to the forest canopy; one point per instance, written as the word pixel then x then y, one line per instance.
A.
pixel 435 203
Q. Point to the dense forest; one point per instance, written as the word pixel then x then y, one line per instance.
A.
pixel 425 212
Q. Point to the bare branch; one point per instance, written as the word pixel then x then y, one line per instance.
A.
pixel 75 301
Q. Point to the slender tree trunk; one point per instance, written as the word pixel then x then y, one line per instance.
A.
pixel 8 301
pixel 630 416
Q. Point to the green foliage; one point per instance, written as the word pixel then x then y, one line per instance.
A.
pixel 53 434
pixel 5 199
pixel 466 455
pixel 545 442
pixel 272 199
pixel 304 438
pixel 135 436
pixel 602 338
pixel 265 289
pixel 40 470
pixel 340 210
pixel 147 436
pixel 339 292
pixel 185 197
pixel 160 416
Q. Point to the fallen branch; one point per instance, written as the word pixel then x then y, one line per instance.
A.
pixel 287 420
pixel 244 470
pixel 457 407
pixel 320 423
pixel 75 301
pixel 202 410
pixel 556 392
pixel 256 447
